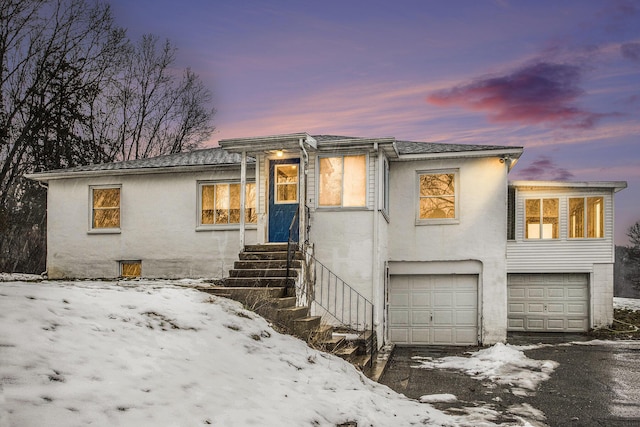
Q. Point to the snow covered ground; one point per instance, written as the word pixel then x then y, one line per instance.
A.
pixel 628 303
pixel 156 353
pixel 152 354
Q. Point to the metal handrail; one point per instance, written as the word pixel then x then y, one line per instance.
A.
pixel 289 242
pixel 340 301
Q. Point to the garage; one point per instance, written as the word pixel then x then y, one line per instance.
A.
pixel 548 302
pixel 433 309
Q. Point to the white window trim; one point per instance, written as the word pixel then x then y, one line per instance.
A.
pixel 91 229
pixel 212 227
pixel 584 231
pixel 456 194
pixel 366 179
pixel 275 185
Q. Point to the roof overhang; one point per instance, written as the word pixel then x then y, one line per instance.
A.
pixel 63 174
pixel 387 145
pixel 615 186
pixel 267 144
pixel 511 154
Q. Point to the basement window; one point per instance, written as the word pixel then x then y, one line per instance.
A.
pixel 130 269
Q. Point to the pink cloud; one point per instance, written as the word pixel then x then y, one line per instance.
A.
pixel 544 168
pixel 542 92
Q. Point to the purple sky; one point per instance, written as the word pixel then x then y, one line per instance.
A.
pixel 561 78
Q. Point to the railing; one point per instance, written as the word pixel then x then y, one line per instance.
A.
pixel 339 300
pixel 290 243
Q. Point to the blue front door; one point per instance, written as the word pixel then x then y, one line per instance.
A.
pixel 283 199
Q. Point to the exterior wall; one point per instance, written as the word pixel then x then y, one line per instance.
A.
pixel 474 244
pixel 158 226
pixel 564 255
pixel 561 255
pixel 601 295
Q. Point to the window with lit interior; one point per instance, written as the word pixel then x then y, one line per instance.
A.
pixel 541 220
pixel 586 217
pixel 343 181
pixel 220 204
pixel 437 196
pixel 105 209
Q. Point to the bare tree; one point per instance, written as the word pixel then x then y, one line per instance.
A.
pixel 74 90
pixel 632 260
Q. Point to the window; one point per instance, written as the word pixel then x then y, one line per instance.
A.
pixel 586 217
pixel 286 183
pixel 511 213
pixel 130 269
pixel 541 218
pixel 105 211
pixel 437 196
pixel 343 181
pixel 220 204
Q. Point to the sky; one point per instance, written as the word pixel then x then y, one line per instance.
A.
pixel 559 78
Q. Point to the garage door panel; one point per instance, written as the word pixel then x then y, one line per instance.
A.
pixel 551 302
pixel 436 309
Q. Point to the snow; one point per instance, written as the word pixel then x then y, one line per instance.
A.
pixel 502 363
pixel 438 398
pixel 628 303
pixel 155 353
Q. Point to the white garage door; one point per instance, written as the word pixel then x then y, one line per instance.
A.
pixel 548 302
pixel 433 309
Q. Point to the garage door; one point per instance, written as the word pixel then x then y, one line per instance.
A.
pixel 433 309
pixel 548 302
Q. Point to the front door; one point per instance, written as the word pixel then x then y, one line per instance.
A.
pixel 283 199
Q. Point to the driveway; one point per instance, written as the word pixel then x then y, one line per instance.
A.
pixel 597 383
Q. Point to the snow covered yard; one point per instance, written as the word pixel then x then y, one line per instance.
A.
pixel 153 354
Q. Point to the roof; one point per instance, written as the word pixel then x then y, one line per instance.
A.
pixel 231 156
pixel 539 185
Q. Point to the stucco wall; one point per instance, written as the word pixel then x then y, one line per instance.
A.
pixel 158 226
pixel 601 288
pixel 479 234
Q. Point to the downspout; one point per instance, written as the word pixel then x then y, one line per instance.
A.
pixel 376 250
pixel 303 198
pixel 45 273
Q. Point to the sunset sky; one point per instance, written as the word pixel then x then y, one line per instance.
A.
pixel 560 78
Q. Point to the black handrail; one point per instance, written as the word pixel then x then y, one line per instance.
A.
pixel 289 242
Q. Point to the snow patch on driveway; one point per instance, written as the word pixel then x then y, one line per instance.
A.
pixel 501 364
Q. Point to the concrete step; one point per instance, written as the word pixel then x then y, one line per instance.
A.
pixel 265 256
pixel 362 361
pixel 265 264
pixel 286 316
pixel 269 308
pixel 304 327
pixel 346 352
pixel 274 247
pixel 247 296
pixel 259 282
pixel 331 344
pixel 272 272
pixel 323 333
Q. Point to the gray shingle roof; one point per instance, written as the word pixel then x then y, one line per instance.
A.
pixel 208 156
pixel 218 156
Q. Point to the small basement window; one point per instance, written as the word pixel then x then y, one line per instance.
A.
pixel 130 269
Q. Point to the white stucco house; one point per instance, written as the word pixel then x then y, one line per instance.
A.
pixel 445 248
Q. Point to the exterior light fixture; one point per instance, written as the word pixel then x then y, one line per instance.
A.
pixel 279 153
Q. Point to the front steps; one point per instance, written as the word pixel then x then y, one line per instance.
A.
pixel 259 281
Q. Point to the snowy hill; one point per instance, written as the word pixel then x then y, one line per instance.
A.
pixel 153 354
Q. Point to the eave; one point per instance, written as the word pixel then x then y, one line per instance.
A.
pixel 540 185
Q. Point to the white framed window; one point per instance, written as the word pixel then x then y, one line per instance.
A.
pixel 105 208
pixel 286 183
pixel 437 197
pixel 542 218
pixel 342 181
pixel 219 203
pixel 586 217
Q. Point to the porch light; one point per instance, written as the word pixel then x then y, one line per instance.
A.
pixel 279 153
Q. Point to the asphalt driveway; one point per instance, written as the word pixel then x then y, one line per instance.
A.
pixel 595 384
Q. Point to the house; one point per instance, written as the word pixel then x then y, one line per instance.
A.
pixel 432 236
